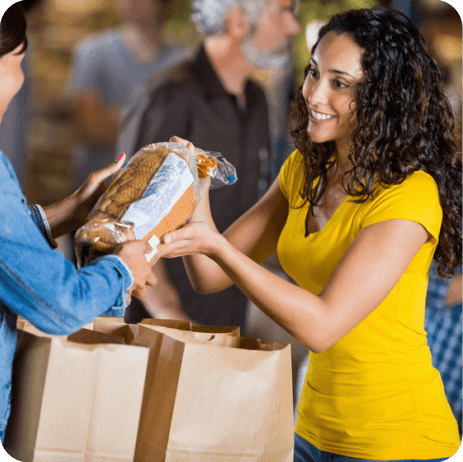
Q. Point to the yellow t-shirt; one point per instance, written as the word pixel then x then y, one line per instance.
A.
pixel 374 394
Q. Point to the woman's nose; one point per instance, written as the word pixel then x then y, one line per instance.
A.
pixel 317 94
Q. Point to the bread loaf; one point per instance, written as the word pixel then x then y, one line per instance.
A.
pixel 154 194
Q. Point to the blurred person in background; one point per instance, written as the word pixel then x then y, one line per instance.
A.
pixel 15 124
pixel 106 68
pixel 212 101
pixel 370 198
pixel 37 282
pixel 443 323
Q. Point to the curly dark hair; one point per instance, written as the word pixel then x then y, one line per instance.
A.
pixel 404 123
pixel 13 30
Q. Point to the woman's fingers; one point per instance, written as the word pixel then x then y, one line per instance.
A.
pixel 94 185
pixel 167 239
pixel 152 280
pixel 100 175
pixel 140 292
pixel 186 232
pixel 134 255
pixel 177 139
pixel 188 144
pixel 193 238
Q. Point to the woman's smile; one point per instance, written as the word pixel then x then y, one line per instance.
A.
pixel 320 116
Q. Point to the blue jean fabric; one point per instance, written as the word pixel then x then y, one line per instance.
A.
pixel 41 285
pixel 306 452
pixel 444 327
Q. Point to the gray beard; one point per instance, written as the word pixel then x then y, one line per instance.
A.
pixel 265 59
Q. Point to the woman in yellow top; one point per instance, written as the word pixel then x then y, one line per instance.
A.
pixel 371 195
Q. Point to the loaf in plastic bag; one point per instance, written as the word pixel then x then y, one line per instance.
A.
pixel 154 193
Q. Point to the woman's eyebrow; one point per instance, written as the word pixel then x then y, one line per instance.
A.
pixel 334 71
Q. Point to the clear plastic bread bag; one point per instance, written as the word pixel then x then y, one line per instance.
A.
pixel 155 192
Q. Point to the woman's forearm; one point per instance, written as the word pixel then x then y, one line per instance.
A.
pixel 63 217
pixel 205 275
pixel 301 313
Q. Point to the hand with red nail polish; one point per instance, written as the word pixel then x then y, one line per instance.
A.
pixel 69 214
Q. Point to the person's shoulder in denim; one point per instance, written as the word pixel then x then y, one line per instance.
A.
pixel 41 285
pixel 444 327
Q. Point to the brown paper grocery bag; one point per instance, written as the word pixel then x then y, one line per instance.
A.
pixel 70 398
pixel 186 325
pixel 116 326
pixel 208 402
pixel 24 324
pixel 150 334
pixel 172 323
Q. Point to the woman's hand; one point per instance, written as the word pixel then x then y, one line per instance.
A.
pixel 193 238
pixel 204 183
pixel 70 213
pixel 133 254
pixel 94 186
pixel 188 144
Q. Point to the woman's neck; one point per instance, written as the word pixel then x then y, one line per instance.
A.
pixel 342 157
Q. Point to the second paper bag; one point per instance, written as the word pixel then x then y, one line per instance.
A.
pixel 209 402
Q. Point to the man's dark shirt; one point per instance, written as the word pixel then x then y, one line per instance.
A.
pixel 189 101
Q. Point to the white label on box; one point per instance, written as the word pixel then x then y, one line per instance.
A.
pixel 165 189
pixel 153 241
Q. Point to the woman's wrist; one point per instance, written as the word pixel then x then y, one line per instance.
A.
pixel 63 217
pixel 200 212
pixel 218 248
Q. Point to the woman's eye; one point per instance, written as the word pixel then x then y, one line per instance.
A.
pixel 339 84
pixel 313 72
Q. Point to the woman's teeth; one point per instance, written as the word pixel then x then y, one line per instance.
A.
pixel 320 116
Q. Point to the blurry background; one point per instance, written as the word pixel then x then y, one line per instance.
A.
pixel 55 26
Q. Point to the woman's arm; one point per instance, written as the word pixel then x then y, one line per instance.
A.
pixel 364 277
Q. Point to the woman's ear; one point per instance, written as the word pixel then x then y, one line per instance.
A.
pixel 237 24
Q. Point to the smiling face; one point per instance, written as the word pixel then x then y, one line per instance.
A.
pixel 329 89
pixel 11 77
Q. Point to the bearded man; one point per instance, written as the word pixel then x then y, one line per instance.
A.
pixel 211 101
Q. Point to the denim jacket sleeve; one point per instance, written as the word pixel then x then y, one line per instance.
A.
pixel 40 219
pixel 39 283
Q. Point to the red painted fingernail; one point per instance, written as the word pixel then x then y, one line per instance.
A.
pixel 120 157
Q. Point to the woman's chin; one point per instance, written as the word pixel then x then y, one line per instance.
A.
pixel 316 138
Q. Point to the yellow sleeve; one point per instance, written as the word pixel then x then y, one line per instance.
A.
pixel 415 199
pixel 288 173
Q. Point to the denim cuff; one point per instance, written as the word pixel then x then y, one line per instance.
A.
pixel 38 215
pixel 127 282
pixel 2 433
